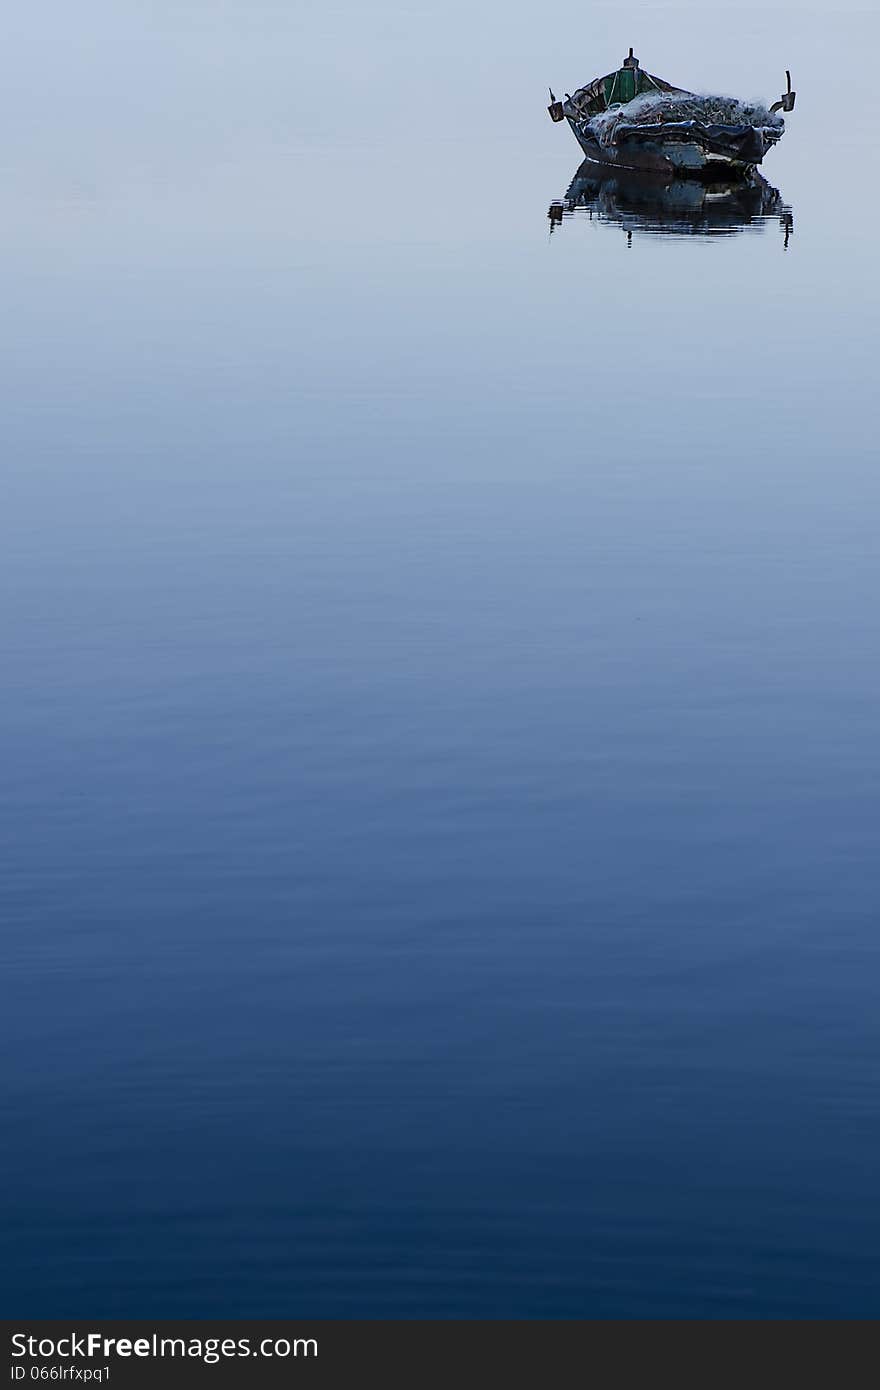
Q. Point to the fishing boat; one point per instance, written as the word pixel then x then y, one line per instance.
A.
pixel 631 119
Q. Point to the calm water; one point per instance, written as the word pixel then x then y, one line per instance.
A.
pixel 440 725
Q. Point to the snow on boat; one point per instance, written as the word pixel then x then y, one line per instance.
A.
pixel 633 120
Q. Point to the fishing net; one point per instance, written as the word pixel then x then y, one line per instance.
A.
pixel 660 107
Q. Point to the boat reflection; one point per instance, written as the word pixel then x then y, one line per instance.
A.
pixel 666 206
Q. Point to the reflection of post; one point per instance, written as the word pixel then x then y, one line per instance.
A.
pixel 786 222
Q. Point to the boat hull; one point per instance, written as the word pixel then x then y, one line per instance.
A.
pixel 687 149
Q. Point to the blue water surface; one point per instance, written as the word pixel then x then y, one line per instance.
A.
pixel 440 723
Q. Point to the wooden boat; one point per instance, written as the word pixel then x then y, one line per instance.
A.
pixel 669 205
pixel 633 120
